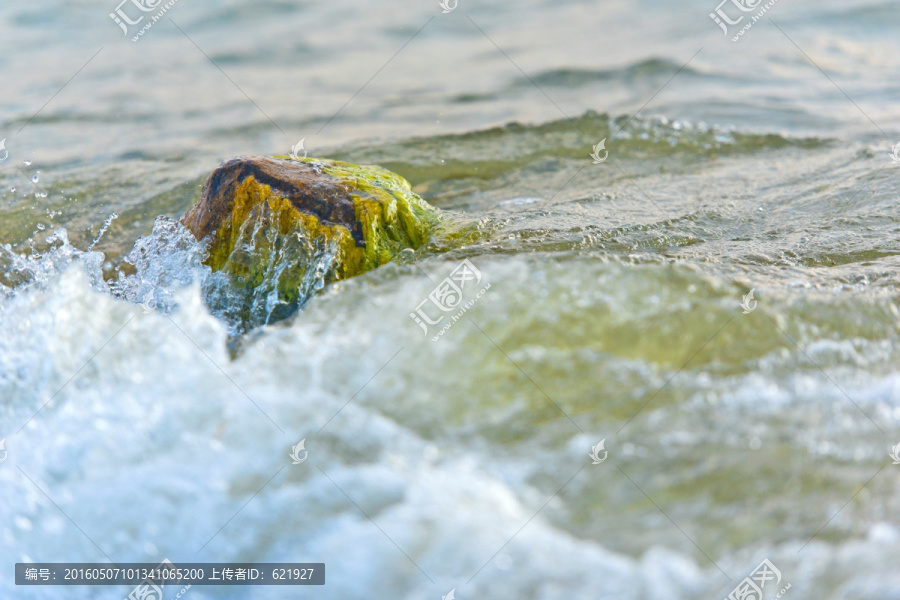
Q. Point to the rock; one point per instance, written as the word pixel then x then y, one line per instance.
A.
pixel 287 226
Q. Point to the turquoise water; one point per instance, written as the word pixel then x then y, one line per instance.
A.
pixel 136 428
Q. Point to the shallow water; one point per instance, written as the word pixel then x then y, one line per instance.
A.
pixel 136 431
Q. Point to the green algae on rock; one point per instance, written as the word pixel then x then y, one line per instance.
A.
pixel 280 228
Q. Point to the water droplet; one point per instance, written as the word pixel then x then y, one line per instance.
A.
pixel 41 226
pixel 12 189
pixel 36 177
pixel 27 163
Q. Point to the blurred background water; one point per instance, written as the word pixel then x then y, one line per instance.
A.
pixel 764 164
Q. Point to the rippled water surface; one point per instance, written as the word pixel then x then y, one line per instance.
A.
pixel 139 424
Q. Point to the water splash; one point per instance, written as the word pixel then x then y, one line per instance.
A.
pixel 248 304
pixel 167 259
pixel 170 258
pixel 103 229
pixel 19 272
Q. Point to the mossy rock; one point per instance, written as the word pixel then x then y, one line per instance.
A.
pixel 285 226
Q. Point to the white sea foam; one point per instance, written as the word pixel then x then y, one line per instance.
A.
pixel 151 449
